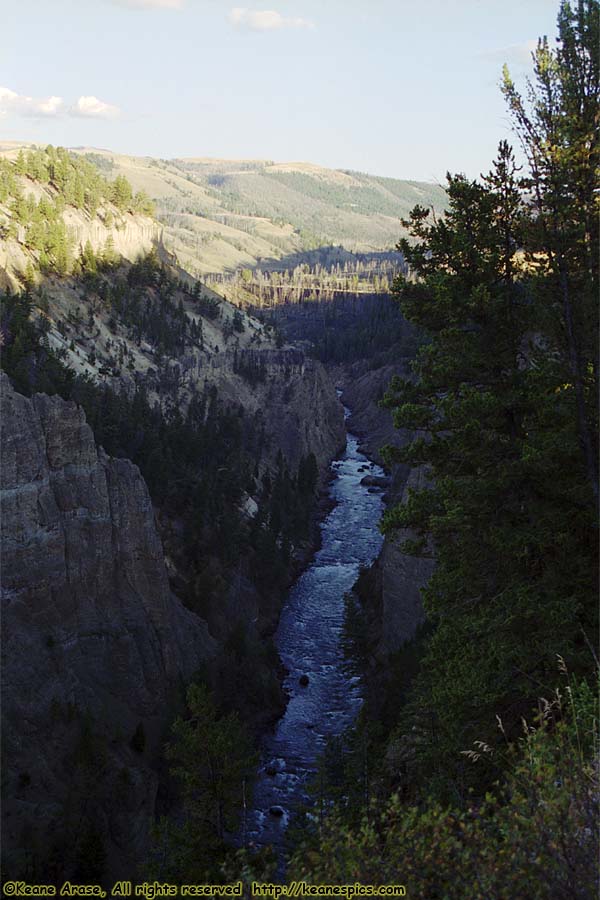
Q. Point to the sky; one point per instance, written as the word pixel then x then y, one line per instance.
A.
pixel 404 88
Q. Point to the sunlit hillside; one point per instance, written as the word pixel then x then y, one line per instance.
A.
pixel 219 215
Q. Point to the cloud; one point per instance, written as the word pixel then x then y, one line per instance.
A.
pixel 51 107
pixel 22 105
pixel 92 108
pixel 264 20
pixel 517 54
pixel 151 4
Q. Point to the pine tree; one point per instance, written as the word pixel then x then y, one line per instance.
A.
pixel 213 760
pixel 558 129
pixel 20 163
pixel 109 254
pixel 508 513
pixel 88 259
pixel 121 192
pixel 29 276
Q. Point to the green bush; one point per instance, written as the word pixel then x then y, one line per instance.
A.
pixel 534 836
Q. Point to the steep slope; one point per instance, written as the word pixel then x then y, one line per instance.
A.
pixel 95 646
pixel 260 414
pixel 151 323
pixel 55 209
pixel 131 236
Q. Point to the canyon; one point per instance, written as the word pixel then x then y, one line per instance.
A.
pixel 100 633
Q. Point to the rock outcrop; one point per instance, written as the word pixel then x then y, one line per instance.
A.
pixel 132 236
pixel 402 577
pixel 363 388
pixel 95 646
pixel 295 397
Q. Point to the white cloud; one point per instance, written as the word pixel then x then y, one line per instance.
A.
pixel 517 54
pixel 22 105
pixel 264 20
pixel 92 108
pixel 151 4
pixel 51 107
pixel 89 107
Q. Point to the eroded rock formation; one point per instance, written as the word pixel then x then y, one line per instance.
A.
pixel 95 646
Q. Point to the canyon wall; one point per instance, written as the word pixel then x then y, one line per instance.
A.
pixel 95 646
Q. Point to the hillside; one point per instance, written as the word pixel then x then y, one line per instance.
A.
pixel 219 215
pixel 114 303
pixel 57 211
pixel 208 401
pixel 230 431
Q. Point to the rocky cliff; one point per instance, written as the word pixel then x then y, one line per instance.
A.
pixel 104 647
pixel 401 578
pixel 292 395
pixel 71 236
pixel 130 234
pixel 296 407
pixel 363 389
pixel 95 646
pixel 296 398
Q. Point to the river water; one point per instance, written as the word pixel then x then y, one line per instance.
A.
pixel 309 642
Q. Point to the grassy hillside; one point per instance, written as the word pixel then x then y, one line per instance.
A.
pixel 219 215
pixel 297 206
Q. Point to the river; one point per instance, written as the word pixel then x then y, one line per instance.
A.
pixel 309 641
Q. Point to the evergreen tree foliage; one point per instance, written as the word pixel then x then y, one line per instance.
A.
pixel 72 180
pixel 214 762
pixel 504 430
pixel 121 194
pixel 559 132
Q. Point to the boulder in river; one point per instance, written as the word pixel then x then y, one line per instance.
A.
pixel 303 680
pixel 380 481
pixel 275 766
pixel 277 811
